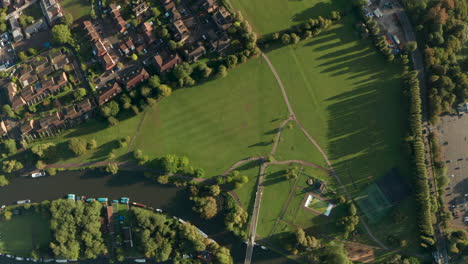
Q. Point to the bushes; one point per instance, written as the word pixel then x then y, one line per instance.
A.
pixel 235 218
pixel 77 146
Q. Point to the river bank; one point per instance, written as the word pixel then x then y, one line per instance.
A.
pixel 94 183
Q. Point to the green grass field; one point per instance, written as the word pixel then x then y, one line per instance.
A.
pixel 349 99
pixel 268 16
pixel 295 145
pixel 246 193
pixel 217 123
pixel 275 196
pixel 23 233
pixel 78 8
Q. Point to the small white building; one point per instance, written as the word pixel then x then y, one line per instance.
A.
pixel 377 13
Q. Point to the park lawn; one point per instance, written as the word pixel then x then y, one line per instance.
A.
pixel 20 235
pixel 268 16
pixel 294 145
pixel 275 195
pixel 246 193
pixel 106 137
pixel 349 99
pixel 217 123
pixel 78 8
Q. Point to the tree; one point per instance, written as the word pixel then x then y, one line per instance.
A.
pixel 92 144
pixel 164 90
pixel 295 38
pixel 79 93
pixel 154 82
pixel 411 46
pixel 215 190
pixel 43 150
pixel 285 39
pixel 222 71
pixel 112 168
pixel 3 27
pixel 308 242
pixel 10 145
pixel 145 91
pixel 8 111
pixel 12 165
pixel 77 146
pixel 231 61
pixel 3 181
pixel 61 34
pixel 134 57
pixel 22 56
pixel 205 206
pixel 156 12
pixel 67 19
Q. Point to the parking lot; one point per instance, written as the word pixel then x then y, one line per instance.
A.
pixel 454 138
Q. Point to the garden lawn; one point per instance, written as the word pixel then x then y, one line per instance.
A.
pixel 268 16
pixel 23 233
pixel 219 122
pixel 294 145
pixel 78 8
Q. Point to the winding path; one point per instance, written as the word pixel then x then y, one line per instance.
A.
pixel 258 195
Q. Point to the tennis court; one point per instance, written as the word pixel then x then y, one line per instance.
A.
pixel 373 203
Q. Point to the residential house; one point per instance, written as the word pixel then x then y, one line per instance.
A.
pixel 15 29
pixel 3 129
pixel 60 61
pixel 108 62
pixel 119 21
pixel 108 93
pixel 36 26
pixel 135 78
pixel 140 9
pixel 51 121
pixel 165 61
pixel 52 11
pixel 195 53
pixel 208 5
pixel 15 99
pixel 223 18
pixel 70 113
pixel 219 43
pixel 6 3
pixel 124 48
pixel 84 107
pixel 129 44
pixel 148 34
pixel 181 31
pixel 168 4
pixel 27 127
pixel 28 79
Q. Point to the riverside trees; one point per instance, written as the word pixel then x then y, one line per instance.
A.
pixel 76 228
pixel 163 238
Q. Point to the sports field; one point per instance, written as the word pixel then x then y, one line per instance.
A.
pixel 268 16
pixel 23 233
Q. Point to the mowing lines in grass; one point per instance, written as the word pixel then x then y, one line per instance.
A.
pixel 373 203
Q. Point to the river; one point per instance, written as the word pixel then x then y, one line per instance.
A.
pixel 93 183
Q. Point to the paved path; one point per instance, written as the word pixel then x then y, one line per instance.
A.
pixel 240 163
